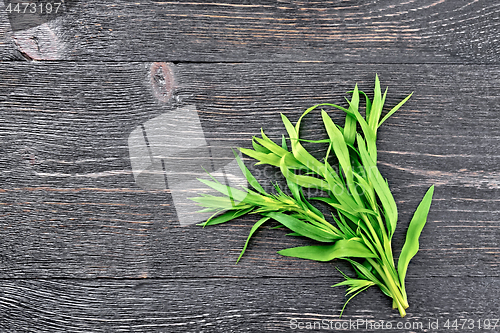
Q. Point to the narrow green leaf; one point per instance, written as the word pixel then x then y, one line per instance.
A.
pixel 259 148
pixel 303 228
pixel 304 181
pixel 368 275
pixel 237 195
pixel 297 126
pixel 227 216
pixel 376 108
pixel 344 248
pixel 214 202
pixel 263 158
pixel 368 104
pixel 355 287
pixel 315 141
pixel 337 140
pixel 268 144
pixel 410 248
pixel 344 208
pixel 354 284
pixel 368 190
pixel 283 143
pixel 308 205
pixel 394 109
pixel 350 121
pixel 342 153
pixel 344 227
pixel 339 191
pixel 248 175
pixel 368 132
pixel 254 228
pixel 380 186
pixel 299 152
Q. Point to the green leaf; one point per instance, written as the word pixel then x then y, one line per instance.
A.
pixel 368 104
pixel 283 143
pixel 299 152
pixel 297 126
pixel 394 109
pixel 303 228
pixel 254 228
pixel 380 186
pixel 308 205
pixel 270 145
pixel 263 158
pixel 237 195
pixel 342 153
pixel 368 190
pixel 344 226
pixel 214 202
pixel 227 216
pixel 376 109
pixel 304 181
pixel 350 121
pixel 337 140
pixel 248 175
pixel 368 132
pixel 344 248
pixel 259 148
pixel 339 191
pixel 367 274
pixel 356 286
pixel 295 189
pixel 410 248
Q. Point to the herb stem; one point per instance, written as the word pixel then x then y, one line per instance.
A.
pixel 374 236
pixel 401 303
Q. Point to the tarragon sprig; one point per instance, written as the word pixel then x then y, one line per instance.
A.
pixel 364 213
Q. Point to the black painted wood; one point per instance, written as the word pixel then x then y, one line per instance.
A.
pixel 237 305
pixel 71 209
pixel 423 31
pixel 83 248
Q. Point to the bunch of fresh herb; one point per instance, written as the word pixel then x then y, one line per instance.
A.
pixel 364 213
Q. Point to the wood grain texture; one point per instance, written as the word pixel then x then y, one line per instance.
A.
pixel 83 248
pixel 232 305
pixel 71 208
pixel 392 31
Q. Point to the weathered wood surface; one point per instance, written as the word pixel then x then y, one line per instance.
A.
pixel 392 31
pixel 233 305
pixel 84 248
pixel 71 210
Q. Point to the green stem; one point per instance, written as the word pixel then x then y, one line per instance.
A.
pixel 374 236
pixel 397 297
pixel 386 268
pixel 387 261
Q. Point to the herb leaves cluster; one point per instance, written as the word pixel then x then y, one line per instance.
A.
pixel 363 211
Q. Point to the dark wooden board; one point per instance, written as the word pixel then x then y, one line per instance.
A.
pixel 71 209
pixel 84 248
pixel 437 31
pixel 237 305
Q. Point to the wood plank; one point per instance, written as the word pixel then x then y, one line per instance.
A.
pixel 235 305
pixel 441 31
pixel 70 206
